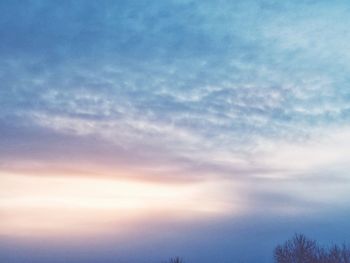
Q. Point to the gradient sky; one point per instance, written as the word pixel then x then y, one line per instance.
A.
pixel 132 131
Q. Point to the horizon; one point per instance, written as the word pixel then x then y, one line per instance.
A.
pixel 137 131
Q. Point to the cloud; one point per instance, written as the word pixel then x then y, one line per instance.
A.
pixel 200 89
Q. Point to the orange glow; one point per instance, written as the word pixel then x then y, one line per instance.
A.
pixel 61 205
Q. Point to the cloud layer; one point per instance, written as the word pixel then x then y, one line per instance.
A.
pixel 252 91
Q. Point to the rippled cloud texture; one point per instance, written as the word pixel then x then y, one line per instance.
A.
pixel 251 96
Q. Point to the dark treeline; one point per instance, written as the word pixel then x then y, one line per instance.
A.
pixel 300 249
pixel 303 250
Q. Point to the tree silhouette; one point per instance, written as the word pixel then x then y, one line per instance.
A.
pixel 175 260
pixel 297 250
pixel 303 250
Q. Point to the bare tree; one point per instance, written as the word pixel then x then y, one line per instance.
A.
pixel 175 260
pixel 298 250
pixel 303 250
pixel 336 254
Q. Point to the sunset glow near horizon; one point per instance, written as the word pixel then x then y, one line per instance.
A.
pixel 133 131
pixel 61 206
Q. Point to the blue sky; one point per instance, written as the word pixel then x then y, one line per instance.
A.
pixel 252 95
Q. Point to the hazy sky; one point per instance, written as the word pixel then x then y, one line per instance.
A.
pixel 132 131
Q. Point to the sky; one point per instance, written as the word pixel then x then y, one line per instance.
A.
pixel 133 131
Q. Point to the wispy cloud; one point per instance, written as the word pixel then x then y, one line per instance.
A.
pixel 225 89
